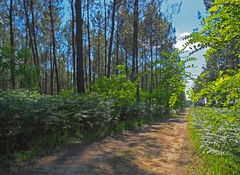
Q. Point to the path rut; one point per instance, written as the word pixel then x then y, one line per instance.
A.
pixel 150 150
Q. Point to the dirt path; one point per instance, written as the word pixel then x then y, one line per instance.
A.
pixel 153 149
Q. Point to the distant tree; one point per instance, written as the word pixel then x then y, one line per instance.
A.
pixel 54 45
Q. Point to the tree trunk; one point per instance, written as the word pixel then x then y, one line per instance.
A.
pixel 52 71
pixel 117 47
pixel 151 54
pixel 79 42
pixel 105 38
pixel 126 63
pixel 36 49
pixel 145 69
pixel 12 61
pixel 54 47
pixel 111 39
pixel 89 48
pixel 98 53
pixel 135 47
pixel 45 72
pixel 33 46
pixel 33 33
pixel 29 32
pixel 73 44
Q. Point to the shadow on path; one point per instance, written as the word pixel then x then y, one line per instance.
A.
pixel 152 149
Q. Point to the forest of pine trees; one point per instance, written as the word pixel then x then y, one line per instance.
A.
pixel 76 71
pixel 51 46
pixel 82 69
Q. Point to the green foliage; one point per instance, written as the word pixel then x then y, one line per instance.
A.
pixel 169 92
pixel 220 28
pixel 222 91
pixel 32 124
pixel 118 88
pixel 27 73
pixel 215 135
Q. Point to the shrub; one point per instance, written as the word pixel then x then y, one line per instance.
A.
pixel 218 139
pixel 32 124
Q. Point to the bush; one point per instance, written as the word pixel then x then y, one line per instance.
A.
pixel 32 124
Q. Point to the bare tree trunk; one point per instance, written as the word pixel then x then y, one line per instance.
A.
pixel 135 47
pixel 98 53
pixel 89 48
pixel 126 63
pixel 145 69
pixel 105 38
pixel 156 67
pixel 54 46
pixel 151 54
pixel 111 39
pixel 142 64
pixel 73 44
pixel 12 61
pixel 52 71
pixel 33 33
pixel 79 42
pixel 85 52
pixel 45 72
pixel 68 74
pixel 117 47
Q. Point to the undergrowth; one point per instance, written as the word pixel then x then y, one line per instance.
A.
pixel 215 135
pixel 33 125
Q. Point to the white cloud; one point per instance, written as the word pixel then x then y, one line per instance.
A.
pixel 181 42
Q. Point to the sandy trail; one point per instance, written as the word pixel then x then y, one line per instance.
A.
pixel 150 150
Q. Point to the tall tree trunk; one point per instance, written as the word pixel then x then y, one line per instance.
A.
pixel 117 47
pixel 89 48
pixel 105 38
pixel 156 66
pixel 29 32
pixel 51 70
pixel 26 37
pixel 126 63
pixel 12 61
pixel 145 69
pixel 151 64
pixel 68 72
pixel 142 65
pixel 86 69
pixel 85 52
pixel 135 47
pixel 111 39
pixel 98 54
pixel 33 33
pixel 32 39
pixel 73 44
pixel 135 42
pixel 79 42
pixel 54 46
pixel 45 72
pixel 36 48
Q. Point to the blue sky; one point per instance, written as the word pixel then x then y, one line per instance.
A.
pixel 185 22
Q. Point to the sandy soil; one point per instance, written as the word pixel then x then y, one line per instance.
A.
pixel 155 149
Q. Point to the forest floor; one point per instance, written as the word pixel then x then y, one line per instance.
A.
pixel 156 149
